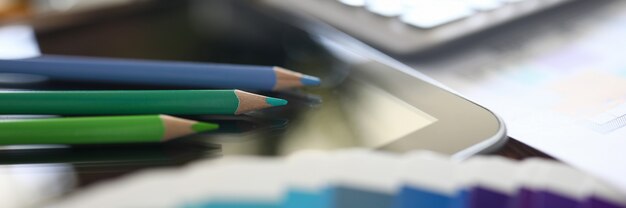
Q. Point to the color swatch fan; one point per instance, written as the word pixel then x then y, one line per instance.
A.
pixel 356 178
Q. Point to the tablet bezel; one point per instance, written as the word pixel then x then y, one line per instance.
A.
pixel 463 128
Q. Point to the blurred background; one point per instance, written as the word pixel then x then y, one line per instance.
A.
pixel 492 51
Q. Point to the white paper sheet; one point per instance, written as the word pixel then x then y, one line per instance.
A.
pixel 566 96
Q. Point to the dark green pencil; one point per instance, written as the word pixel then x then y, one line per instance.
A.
pixel 137 102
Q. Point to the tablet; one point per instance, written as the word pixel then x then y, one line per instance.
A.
pixel 366 100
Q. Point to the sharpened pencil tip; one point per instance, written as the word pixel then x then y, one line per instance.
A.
pixel 309 80
pixel 201 127
pixel 275 101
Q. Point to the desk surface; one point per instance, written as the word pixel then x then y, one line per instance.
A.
pixel 516 150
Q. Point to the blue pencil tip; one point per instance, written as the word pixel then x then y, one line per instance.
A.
pixel 310 80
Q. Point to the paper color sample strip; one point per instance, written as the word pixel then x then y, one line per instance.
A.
pixel 356 178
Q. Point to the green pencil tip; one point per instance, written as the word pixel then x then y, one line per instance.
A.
pixel 275 101
pixel 201 126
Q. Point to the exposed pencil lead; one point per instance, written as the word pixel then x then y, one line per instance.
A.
pixel 275 101
pixel 202 126
pixel 310 80
pixel 250 101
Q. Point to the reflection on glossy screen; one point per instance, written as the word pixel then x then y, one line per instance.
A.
pixel 377 117
pixel 354 113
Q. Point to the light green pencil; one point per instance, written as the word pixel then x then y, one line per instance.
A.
pixel 99 130
pixel 134 102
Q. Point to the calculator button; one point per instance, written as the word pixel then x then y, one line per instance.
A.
pixel 387 8
pixel 355 3
pixel 432 14
pixel 484 5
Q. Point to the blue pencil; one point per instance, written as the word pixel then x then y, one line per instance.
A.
pixel 161 73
